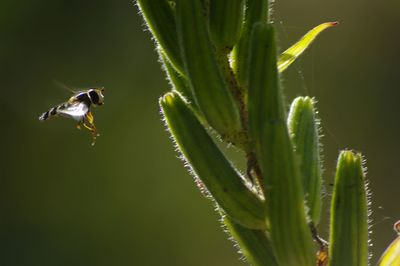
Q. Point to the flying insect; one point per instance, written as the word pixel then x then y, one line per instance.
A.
pixel 78 108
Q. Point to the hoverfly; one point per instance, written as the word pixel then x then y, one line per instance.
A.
pixel 78 108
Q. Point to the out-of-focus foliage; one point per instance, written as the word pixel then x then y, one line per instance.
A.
pixel 391 256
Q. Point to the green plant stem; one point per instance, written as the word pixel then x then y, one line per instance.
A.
pixel 254 244
pixel 160 18
pixel 303 128
pixel 349 211
pixel 290 235
pixel 256 11
pixel 226 17
pixel 221 180
pixel 209 87
pixel 178 81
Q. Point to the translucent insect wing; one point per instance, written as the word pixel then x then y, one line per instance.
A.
pixel 75 111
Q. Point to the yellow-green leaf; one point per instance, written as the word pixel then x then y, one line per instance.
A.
pixel 391 256
pixel 288 56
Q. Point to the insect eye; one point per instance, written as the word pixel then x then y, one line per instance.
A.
pixel 94 97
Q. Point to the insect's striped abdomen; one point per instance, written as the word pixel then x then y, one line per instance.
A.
pixel 52 112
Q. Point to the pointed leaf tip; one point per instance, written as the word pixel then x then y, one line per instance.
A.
pixel 291 54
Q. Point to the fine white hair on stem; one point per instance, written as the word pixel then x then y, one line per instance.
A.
pixel 186 163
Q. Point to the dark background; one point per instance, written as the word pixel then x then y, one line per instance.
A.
pixel 128 200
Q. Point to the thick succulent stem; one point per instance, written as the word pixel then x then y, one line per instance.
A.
pixel 221 180
pixel 290 234
pixel 349 210
pixel 221 59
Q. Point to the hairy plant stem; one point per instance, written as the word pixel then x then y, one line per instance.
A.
pixel 240 139
pixel 221 59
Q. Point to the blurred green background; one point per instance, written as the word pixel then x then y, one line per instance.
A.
pixel 128 200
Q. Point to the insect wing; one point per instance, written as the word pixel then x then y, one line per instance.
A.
pixel 76 110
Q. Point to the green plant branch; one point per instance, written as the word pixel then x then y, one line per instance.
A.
pixel 221 59
pixel 207 82
pixel 349 210
pixel 255 245
pixel 303 128
pixel 256 11
pixel 160 18
pixel 222 181
pixel 274 151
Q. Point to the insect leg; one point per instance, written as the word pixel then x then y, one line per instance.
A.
pixel 90 119
pixel 90 126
